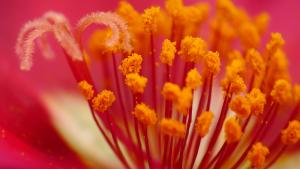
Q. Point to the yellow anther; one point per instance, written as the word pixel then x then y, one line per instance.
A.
pixel 135 82
pixel 196 14
pixel 103 101
pixel 296 93
pixel 261 22
pixel 249 35
pixel 171 91
pixel 257 101
pixel 226 7
pixel 150 18
pixel 212 62
pixel 241 106
pixel 237 84
pixel 172 128
pixel 192 49
pixel 282 91
pixel 257 155
pixel 291 135
pixel 175 8
pixel 234 55
pixel 204 121
pixel 131 64
pixel 97 45
pixel 86 89
pixel 168 51
pixel 127 11
pixel 236 67
pixel 233 131
pixel 275 43
pixel 184 101
pixel 193 79
pixel 145 114
pixel 255 60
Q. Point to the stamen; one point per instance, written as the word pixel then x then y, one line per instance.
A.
pixel 237 84
pixel 212 62
pixel 193 79
pixel 168 51
pixel 249 35
pixel 254 58
pixel 86 89
pixel 171 91
pixel 184 101
pixel 241 106
pixel 150 18
pixel 136 82
pixel 261 22
pixel 275 43
pixel 192 49
pixel 145 114
pixel 103 101
pixel 203 123
pixel 291 135
pixel 257 101
pixel 174 8
pixel 282 91
pixel 257 155
pixel 131 64
pixel 172 128
pixel 296 93
pixel 233 131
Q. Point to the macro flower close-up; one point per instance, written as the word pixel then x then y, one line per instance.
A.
pixel 158 84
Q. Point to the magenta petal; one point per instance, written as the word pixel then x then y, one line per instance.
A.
pixel 16 154
pixel 23 115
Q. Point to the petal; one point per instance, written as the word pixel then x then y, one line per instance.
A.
pixel 23 115
pixel 72 119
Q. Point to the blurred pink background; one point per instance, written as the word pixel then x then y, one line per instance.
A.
pixel 14 13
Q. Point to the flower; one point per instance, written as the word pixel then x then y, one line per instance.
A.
pixel 171 100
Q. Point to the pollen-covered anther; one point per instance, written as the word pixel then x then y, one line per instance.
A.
pixel 233 76
pixel 275 43
pixel 236 67
pixel 233 131
pixel 249 35
pixel 168 51
pixel 192 49
pixel 171 91
pixel 237 84
pixel 212 62
pixel 296 93
pixel 291 135
pixel 145 114
pixel 261 22
pixel 204 121
pixel 193 79
pixel 255 60
pixel 172 128
pixel 184 101
pixel 136 82
pixel 257 155
pixel 257 101
pixel 86 89
pixel 282 91
pixel 241 106
pixel 131 64
pixel 174 8
pixel 150 18
pixel 103 101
